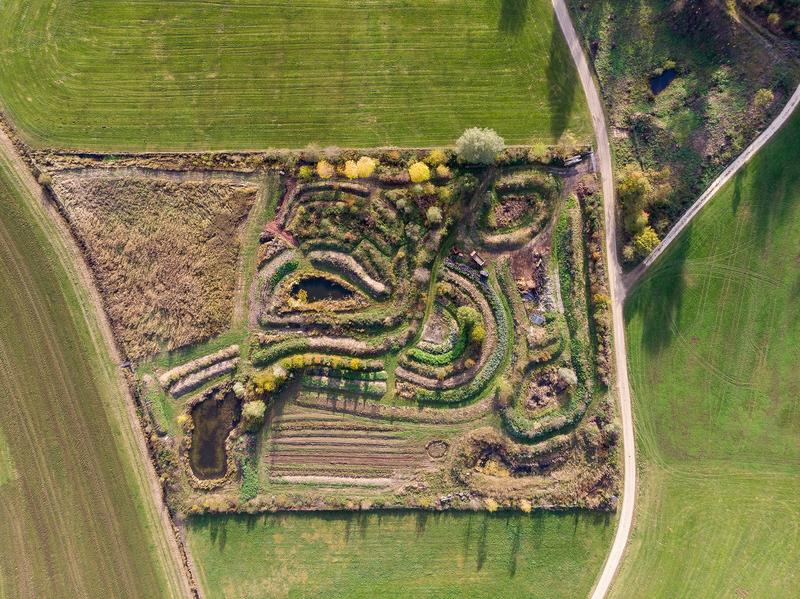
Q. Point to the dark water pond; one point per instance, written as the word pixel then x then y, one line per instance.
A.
pixel 213 420
pixel 321 288
pixel 660 82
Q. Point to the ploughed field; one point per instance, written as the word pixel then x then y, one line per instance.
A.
pixel 355 330
pixel 142 74
pixel 714 342
pixel 76 518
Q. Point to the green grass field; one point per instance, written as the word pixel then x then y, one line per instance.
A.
pixel 400 554
pixel 145 74
pixel 74 514
pixel 713 335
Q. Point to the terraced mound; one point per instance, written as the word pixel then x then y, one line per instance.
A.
pixel 141 74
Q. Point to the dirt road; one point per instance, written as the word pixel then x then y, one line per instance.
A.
pixel 603 157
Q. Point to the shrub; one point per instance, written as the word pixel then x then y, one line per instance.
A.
pixel 350 169
pixel 366 166
pixel 182 419
pixel 325 169
pixel 763 98
pixel 479 146
pixel 419 172
pixel 503 393
pixel 467 315
pixel 434 216
pixel 436 158
pixel 645 242
pixel 443 172
pixel 305 172
pixel 628 253
pixel 633 190
pixel 538 152
pixel 253 414
pixel 477 334
pixel 490 504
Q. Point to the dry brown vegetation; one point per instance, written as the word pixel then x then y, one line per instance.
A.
pixel 163 252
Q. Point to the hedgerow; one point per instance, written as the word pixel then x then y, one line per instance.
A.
pixel 275 352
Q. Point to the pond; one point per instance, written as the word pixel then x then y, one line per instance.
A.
pixel 321 288
pixel 658 83
pixel 213 421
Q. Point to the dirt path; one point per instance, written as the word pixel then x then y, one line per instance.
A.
pixel 132 437
pixel 630 279
pixel 617 290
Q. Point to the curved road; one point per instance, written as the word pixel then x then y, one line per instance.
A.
pixel 620 284
pixel 617 289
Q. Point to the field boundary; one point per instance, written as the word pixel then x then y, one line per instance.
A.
pixel 11 145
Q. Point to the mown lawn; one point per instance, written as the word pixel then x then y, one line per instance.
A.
pixel 74 514
pixel 400 555
pixel 714 345
pixel 147 74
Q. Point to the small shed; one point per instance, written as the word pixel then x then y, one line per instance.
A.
pixel 538 319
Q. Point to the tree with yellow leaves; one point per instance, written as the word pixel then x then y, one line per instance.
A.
pixel 419 172
pixel 366 166
pixel 325 169
pixel 350 169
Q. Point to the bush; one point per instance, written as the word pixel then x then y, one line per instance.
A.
pixel 436 158
pixel 763 98
pixel 477 334
pixel 479 146
pixel 419 172
pixel 366 166
pixel 325 169
pixel 467 315
pixel 434 216
pixel 253 414
pixel 633 191
pixel 443 172
pixel 350 169
pixel 645 242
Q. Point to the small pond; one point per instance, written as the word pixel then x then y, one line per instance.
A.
pixel 321 288
pixel 213 421
pixel 658 83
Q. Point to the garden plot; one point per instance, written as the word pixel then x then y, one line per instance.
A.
pixel 403 349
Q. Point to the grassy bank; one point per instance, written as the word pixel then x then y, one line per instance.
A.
pixel 713 335
pixel 400 554
pixel 142 74
pixel 74 508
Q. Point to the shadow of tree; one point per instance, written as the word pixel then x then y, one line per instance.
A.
pixel 562 81
pixel 657 299
pixel 512 16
